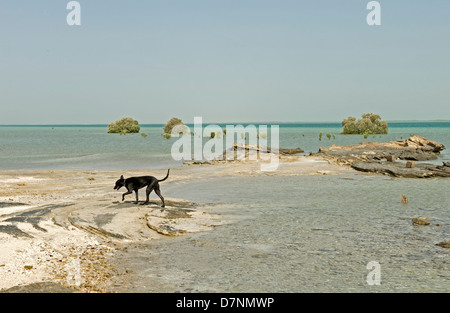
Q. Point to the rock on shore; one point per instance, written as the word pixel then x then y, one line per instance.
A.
pixel 379 157
pixel 398 169
pixel 444 244
pixel 415 148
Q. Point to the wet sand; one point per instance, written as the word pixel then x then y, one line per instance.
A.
pixel 59 230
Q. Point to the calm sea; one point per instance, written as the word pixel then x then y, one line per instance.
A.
pixel 288 234
pixel 306 233
pixel 302 234
pixel 91 147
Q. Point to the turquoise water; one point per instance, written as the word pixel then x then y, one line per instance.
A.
pixel 91 147
pixel 302 234
pixel 287 234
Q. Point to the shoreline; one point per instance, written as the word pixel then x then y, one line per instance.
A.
pixel 63 226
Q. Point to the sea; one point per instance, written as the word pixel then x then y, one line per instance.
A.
pixel 319 233
pixel 91 147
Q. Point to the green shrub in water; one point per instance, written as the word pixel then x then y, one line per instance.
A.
pixel 171 124
pixel 124 126
pixel 369 123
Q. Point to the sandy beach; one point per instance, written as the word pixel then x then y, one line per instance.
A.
pixel 60 228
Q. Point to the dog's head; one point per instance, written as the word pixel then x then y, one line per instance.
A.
pixel 119 183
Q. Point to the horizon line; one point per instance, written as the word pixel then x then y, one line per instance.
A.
pixel 235 123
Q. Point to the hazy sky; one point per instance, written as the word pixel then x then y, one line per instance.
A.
pixel 224 60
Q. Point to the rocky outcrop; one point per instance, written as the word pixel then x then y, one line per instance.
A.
pixel 380 157
pixel 415 148
pixel 399 169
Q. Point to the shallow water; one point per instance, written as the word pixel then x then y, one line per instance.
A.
pixel 91 147
pixel 302 234
pixel 286 234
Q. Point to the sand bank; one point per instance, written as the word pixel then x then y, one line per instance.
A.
pixel 63 226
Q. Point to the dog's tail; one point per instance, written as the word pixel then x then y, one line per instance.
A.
pixel 160 180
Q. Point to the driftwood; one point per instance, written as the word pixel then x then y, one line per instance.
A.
pixel 245 149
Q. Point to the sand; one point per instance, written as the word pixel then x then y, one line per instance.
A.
pixel 63 226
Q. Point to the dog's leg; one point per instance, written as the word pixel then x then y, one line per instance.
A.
pixel 147 192
pixel 137 197
pixel 158 192
pixel 126 193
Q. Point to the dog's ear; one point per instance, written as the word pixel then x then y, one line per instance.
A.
pixel 121 177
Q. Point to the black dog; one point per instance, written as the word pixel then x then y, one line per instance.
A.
pixel 135 183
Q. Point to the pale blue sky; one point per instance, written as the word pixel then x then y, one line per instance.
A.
pixel 227 61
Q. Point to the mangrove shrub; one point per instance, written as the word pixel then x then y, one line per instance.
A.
pixel 368 124
pixel 171 124
pixel 124 126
